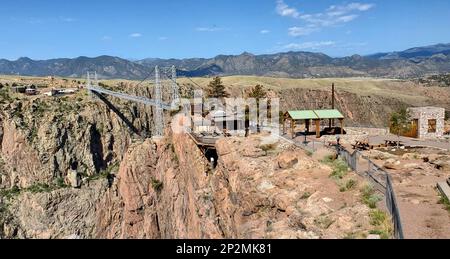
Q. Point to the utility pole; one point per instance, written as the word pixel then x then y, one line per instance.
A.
pixel 332 103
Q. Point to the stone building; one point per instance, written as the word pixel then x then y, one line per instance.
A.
pixel 428 121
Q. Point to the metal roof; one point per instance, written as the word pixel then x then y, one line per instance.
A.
pixel 315 114
pixel 329 114
pixel 303 115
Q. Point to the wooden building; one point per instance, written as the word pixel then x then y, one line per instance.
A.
pixel 313 117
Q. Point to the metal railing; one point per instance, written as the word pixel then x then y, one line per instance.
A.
pixel 382 181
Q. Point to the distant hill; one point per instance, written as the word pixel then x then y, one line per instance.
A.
pixel 106 66
pixel 420 52
pixel 411 63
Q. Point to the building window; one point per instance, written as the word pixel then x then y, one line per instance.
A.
pixel 432 126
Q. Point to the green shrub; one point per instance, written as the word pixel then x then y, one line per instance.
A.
pixel 8 194
pixel 349 185
pixel 340 169
pixel 157 185
pixel 444 201
pixel 329 159
pixel 369 196
pixel 383 223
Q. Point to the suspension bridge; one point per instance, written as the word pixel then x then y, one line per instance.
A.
pixel 156 101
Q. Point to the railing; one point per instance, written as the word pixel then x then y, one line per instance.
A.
pixel 382 181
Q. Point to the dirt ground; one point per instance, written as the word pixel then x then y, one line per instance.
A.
pixel 415 185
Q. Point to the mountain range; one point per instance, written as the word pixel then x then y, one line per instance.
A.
pixel 411 63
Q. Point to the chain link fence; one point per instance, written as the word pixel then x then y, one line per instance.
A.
pixel 381 180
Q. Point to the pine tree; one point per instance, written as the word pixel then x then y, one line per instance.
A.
pixel 216 89
pixel 258 92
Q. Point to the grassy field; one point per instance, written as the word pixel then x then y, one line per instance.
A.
pixel 406 91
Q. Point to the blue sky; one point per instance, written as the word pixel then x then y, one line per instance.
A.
pixel 204 28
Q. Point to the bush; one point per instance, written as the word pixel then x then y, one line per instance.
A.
pixel 349 185
pixel 383 223
pixel 369 196
pixel 8 194
pixel 157 185
pixel 340 169
pixel 269 147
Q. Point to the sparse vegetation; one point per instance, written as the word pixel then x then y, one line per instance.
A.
pixel 306 196
pixel 324 222
pixel 349 185
pixel 382 222
pixel 105 173
pixel 340 169
pixel 445 202
pixel 369 196
pixel 35 188
pixel 157 185
pixel 8 194
pixel 441 80
pixel 269 147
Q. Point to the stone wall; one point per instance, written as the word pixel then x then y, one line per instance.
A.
pixel 423 115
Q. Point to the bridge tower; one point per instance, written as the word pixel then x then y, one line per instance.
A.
pixel 159 115
pixel 89 83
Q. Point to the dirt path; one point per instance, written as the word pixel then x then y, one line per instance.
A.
pixel 421 214
pixel 418 200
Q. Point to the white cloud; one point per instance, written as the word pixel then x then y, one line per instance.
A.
pixel 301 31
pixel 337 10
pixel 106 38
pixel 332 16
pixel 347 18
pixel 313 45
pixel 136 35
pixel 163 38
pixel 209 29
pixel 264 32
pixel 284 10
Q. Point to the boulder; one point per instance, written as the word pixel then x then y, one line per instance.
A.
pixel 392 164
pixel 287 160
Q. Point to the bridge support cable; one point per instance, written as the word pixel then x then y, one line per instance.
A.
pixel 159 106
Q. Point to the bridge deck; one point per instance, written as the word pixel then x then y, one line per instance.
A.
pixel 138 99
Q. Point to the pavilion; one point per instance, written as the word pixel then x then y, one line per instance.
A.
pixel 316 116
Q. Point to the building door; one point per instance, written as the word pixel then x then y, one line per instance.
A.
pixel 414 133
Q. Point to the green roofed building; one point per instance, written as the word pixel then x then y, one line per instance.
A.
pixel 312 115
